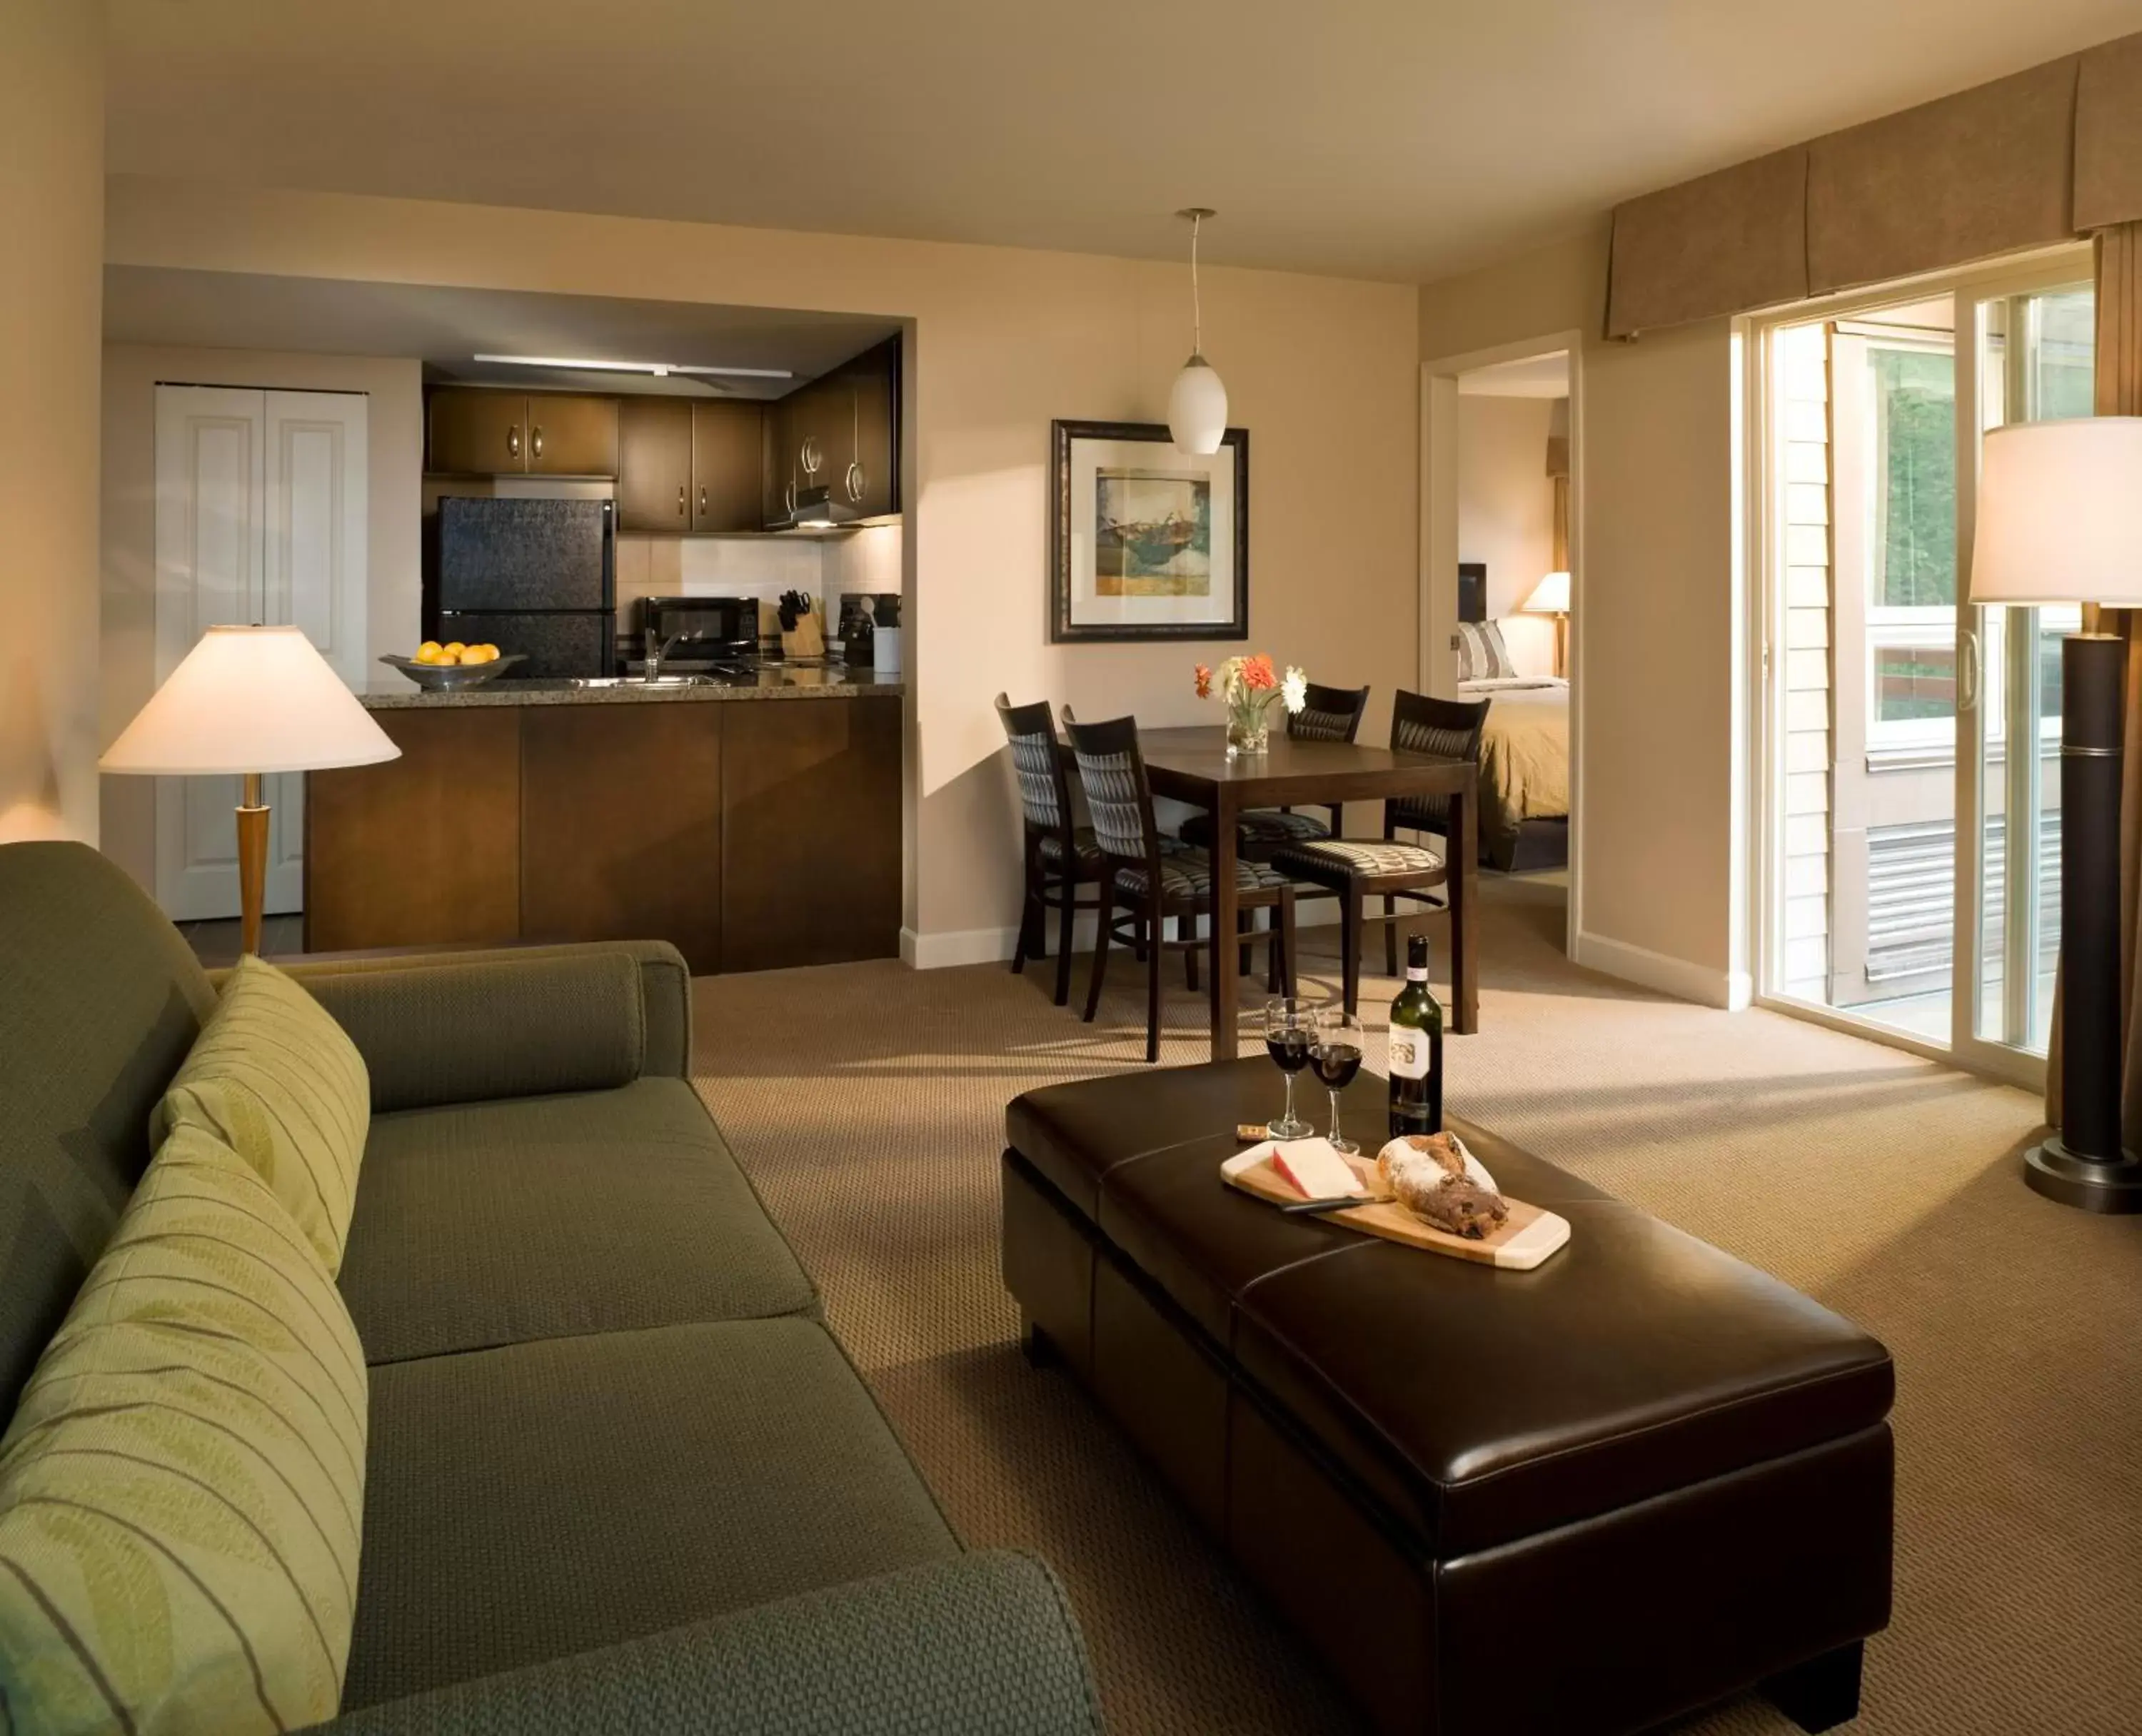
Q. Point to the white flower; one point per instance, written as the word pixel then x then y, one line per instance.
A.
pixel 1293 689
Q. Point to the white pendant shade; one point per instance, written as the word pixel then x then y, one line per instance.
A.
pixel 1198 407
pixel 2059 514
pixel 249 699
pixel 1550 596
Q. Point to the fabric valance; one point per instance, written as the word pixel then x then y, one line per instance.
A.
pixel 2027 160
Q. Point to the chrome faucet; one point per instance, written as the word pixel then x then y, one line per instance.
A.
pixel 658 647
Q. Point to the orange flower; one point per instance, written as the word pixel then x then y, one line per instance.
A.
pixel 1204 682
pixel 1258 673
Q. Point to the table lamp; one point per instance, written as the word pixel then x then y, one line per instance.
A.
pixel 249 700
pixel 1551 596
pixel 2060 520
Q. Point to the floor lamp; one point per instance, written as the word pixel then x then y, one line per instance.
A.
pixel 248 701
pixel 2060 520
pixel 1551 597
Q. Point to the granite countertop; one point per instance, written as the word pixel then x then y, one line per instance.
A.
pixel 389 690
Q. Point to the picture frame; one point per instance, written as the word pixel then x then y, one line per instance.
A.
pixel 1146 542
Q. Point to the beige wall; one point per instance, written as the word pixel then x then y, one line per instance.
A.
pixel 1324 373
pixel 1660 778
pixel 51 292
pixel 1506 515
pixel 394 471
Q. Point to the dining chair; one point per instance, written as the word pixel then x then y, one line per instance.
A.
pixel 1147 884
pixel 1355 870
pixel 1328 714
pixel 1058 856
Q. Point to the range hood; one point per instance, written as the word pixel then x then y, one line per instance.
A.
pixel 816 509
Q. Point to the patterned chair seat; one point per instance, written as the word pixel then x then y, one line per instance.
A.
pixel 1087 850
pixel 1263 830
pixel 1185 878
pixel 1357 862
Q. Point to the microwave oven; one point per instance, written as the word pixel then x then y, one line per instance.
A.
pixel 703 626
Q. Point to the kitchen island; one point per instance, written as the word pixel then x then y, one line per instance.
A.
pixel 752 820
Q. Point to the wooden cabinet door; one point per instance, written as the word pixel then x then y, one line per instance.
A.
pixel 777 464
pixel 654 464
pixel 864 464
pixel 571 435
pixel 477 433
pixel 727 457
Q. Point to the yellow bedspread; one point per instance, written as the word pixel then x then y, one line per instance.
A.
pixel 1524 751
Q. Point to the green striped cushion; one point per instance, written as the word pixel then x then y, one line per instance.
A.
pixel 276 1079
pixel 181 1489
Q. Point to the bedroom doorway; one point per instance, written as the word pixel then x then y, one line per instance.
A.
pixel 1500 586
pixel 1910 872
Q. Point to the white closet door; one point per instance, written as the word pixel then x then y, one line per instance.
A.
pixel 261 501
pixel 313 571
pixel 210 494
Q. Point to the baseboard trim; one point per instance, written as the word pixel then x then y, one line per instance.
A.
pixel 1684 980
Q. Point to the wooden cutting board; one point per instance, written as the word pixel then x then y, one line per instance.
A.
pixel 1526 1238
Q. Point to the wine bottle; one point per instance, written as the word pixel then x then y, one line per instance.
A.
pixel 1416 1049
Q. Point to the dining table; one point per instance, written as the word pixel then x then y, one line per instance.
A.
pixel 1194 765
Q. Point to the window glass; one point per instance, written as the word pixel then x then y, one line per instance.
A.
pixel 1912 682
pixel 1914 547
pixel 2063 384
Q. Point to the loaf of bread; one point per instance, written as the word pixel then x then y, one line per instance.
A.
pixel 1435 1178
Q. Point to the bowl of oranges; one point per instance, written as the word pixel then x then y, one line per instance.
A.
pixel 453 664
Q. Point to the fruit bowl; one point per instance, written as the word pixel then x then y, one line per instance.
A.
pixel 448 678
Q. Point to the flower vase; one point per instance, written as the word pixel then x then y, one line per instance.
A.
pixel 1247 730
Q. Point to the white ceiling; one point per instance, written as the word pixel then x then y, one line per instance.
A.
pixel 1400 139
pixel 1536 377
pixel 447 328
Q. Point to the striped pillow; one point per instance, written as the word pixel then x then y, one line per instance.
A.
pixel 181 1489
pixel 1482 655
pixel 275 1078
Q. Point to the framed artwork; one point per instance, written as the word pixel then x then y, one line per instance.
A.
pixel 1146 542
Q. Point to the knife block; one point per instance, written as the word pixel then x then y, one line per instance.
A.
pixel 809 637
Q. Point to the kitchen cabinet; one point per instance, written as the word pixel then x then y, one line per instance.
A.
pixel 571 435
pixel 654 464
pixel 728 459
pixel 840 432
pixel 478 432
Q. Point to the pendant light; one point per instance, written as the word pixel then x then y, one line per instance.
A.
pixel 1198 402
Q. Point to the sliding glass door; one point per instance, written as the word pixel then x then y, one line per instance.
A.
pixel 1911 822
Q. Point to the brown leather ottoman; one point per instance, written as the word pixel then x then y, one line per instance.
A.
pixel 1586 1498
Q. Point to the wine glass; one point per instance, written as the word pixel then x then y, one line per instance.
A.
pixel 1289 1034
pixel 1337 1056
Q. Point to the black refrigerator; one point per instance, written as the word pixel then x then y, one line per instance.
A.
pixel 538 577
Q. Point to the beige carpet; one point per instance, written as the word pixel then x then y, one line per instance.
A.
pixel 866 1101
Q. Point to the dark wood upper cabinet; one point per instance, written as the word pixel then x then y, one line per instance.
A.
pixel 727 457
pixel 654 464
pixel 571 435
pixel 840 432
pixel 477 433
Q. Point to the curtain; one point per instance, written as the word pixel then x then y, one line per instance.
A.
pixel 2120 393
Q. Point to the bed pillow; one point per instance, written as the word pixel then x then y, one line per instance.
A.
pixel 276 1079
pixel 181 1489
pixel 1482 655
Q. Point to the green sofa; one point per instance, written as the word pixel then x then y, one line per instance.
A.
pixel 619 1477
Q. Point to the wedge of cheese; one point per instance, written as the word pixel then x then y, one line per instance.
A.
pixel 1316 1166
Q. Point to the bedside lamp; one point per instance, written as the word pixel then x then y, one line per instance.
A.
pixel 1551 596
pixel 249 700
pixel 2060 520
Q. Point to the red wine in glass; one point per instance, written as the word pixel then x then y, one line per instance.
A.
pixel 1336 1057
pixel 1290 1036
pixel 1336 1063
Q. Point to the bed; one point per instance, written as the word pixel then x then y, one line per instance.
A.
pixel 1524 750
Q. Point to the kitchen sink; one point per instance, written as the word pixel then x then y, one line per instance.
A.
pixel 640 681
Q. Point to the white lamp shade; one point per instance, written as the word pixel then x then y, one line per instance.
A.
pixel 1550 596
pixel 249 699
pixel 2059 514
pixel 1198 407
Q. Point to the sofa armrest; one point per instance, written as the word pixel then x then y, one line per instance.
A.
pixel 461 1026
pixel 982 1644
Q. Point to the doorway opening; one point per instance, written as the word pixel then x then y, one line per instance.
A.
pixel 1910 744
pixel 1502 615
